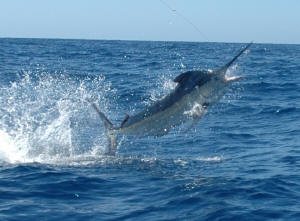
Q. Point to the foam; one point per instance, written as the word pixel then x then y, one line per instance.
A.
pixel 45 117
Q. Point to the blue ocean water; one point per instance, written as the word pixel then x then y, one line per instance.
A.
pixel 240 162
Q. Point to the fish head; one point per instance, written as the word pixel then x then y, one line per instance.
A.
pixel 220 73
pixel 220 76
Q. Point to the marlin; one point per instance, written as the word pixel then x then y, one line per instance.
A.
pixel 194 93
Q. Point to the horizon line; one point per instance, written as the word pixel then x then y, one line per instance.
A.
pixel 147 40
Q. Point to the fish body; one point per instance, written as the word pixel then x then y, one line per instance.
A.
pixel 195 92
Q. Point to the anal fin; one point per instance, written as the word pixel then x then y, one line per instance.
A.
pixel 195 121
pixel 125 120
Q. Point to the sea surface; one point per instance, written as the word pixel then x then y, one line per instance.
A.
pixel 240 162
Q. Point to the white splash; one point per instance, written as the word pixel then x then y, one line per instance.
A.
pixel 164 85
pixel 231 70
pixel 46 119
pixel 210 159
pixel 196 111
pixel 11 151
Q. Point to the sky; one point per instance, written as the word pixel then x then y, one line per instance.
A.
pixel 261 21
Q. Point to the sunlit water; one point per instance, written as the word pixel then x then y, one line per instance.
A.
pixel 240 162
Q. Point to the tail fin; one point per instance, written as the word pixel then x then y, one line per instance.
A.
pixel 238 55
pixel 109 129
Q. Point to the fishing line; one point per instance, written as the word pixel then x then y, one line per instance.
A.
pixel 184 18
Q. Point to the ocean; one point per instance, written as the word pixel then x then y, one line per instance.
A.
pixel 240 162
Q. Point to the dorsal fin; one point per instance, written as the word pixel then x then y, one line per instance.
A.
pixel 180 78
pixel 125 120
pixel 201 77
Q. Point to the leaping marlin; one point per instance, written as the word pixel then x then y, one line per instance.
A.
pixel 195 92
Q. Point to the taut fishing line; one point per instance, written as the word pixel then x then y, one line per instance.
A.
pixel 184 18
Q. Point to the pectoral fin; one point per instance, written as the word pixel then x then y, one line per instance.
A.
pixel 197 117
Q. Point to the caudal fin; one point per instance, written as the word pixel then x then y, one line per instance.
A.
pixel 111 132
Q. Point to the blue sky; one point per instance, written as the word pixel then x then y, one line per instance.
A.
pixel 263 21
